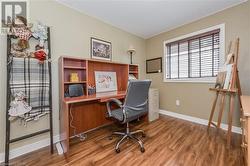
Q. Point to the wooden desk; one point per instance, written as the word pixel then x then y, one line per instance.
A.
pixel 245 124
pixel 89 111
pixel 102 97
pixel 88 120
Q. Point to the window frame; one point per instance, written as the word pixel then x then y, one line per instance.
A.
pixel 221 54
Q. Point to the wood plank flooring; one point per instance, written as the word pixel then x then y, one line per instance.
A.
pixel 169 142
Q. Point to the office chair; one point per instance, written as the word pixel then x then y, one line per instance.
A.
pixel 135 105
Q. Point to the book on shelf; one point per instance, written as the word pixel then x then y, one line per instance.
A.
pixel 131 77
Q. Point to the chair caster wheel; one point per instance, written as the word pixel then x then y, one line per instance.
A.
pixel 143 135
pixel 118 150
pixel 142 150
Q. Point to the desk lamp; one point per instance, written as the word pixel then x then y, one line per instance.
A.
pixel 131 51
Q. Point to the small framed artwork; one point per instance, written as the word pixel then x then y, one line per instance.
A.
pixel 154 65
pixel 105 81
pixel 101 49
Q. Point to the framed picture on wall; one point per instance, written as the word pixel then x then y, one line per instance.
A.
pixel 101 49
pixel 154 65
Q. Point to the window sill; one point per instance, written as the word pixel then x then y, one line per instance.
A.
pixel 193 80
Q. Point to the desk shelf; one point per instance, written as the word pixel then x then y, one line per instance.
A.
pixel 133 72
pixel 74 62
pixel 80 82
pixel 75 67
pixel 133 69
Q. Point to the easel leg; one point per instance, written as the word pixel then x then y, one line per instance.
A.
pixel 239 89
pixel 230 119
pixel 221 110
pixel 212 111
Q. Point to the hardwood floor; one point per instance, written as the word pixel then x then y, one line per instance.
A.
pixel 169 142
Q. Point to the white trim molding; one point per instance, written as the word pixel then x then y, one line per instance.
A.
pixel 29 148
pixel 222 54
pixel 197 120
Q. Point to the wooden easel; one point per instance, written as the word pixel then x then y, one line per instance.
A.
pixel 233 90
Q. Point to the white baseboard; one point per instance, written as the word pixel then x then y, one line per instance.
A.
pixel 197 120
pixel 29 148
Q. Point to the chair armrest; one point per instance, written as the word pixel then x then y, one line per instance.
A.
pixel 110 101
pixel 116 101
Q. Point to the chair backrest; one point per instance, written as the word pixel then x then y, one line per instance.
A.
pixel 137 93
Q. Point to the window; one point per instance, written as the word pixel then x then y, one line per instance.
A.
pixel 194 57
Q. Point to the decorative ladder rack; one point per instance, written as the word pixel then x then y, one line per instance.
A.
pixel 8 123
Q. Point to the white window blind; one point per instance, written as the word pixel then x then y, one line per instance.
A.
pixel 194 57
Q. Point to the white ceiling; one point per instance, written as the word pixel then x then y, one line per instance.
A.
pixel 146 18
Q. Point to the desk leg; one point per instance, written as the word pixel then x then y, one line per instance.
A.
pixel 145 118
pixel 64 127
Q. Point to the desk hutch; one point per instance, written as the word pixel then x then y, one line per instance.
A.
pixel 88 111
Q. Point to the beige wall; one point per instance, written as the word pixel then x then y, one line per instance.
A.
pixel 195 98
pixel 70 35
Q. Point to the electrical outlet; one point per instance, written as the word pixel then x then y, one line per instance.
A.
pixel 177 102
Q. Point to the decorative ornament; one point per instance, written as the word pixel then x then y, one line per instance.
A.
pixel 40 54
pixel 17 51
pixel 40 33
pixel 18 107
pixel 74 77
pixel 22 31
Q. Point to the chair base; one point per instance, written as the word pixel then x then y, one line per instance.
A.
pixel 129 135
